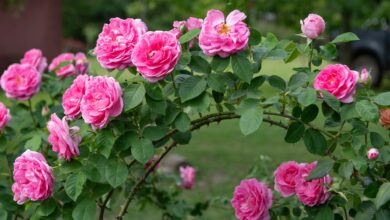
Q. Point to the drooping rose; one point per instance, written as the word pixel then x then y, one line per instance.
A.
pixel 21 81
pixel 116 42
pixel 5 115
pixel 64 140
pixel 187 175
pixel 35 58
pixel 102 99
pixel 63 65
pixel 223 37
pixel 33 178
pixel 314 192
pixel 251 200
pixel 338 80
pixel 156 55
pixel 385 117
pixel 372 154
pixel 81 62
pixel 285 176
pixel 72 97
pixel 313 26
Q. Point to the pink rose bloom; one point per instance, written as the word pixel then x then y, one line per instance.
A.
pixel 372 154
pixel 252 200
pixel 364 76
pixel 313 192
pixel 187 175
pixel 313 26
pixel 338 80
pixel 193 23
pixel 33 178
pixel 156 55
pixel 116 42
pixel 285 176
pixel 5 115
pixel 63 65
pixel 177 28
pixel 81 63
pixel 102 100
pixel 150 163
pixel 72 97
pixel 21 81
pixel 223 37
pixel 64 139
pixel 35 58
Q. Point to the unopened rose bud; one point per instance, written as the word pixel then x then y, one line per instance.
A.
pixel 313 26
pixel 364 76
pixel 81 63
pixel 372 154
pixel 45 111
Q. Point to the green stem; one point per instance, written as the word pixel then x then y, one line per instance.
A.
pixel 310 54
pixel 31 113
pixel 176 90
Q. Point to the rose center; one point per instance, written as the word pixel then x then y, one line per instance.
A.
pixel 151 54
pixel 19 80
pixel 224 29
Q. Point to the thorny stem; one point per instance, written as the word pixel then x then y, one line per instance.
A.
pixel 103 206
pixel 31 113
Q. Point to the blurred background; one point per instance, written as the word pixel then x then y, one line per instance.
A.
pixel 220 153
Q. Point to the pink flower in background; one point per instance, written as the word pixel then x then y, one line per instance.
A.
pixel 35 58
pixel 21 81
pixel 63 65
pixel 81 62
pixel 251 200
pixel 72 97
pixel 156 55
pixel 193 23
pixel 190 24
pixel 313 26
pixel 223 37
pixel 364 76
pixel 33 178
pixel 102 100
pixel 64 140
pixel 314 192
pixel 177 28
pixel 5 115
pixel 187 175
pixel 372 154
pixel 285 176
pixel 338 80
pixel 116 42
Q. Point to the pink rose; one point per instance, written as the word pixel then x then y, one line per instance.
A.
pixel 338 80
pixel 364 76
pixel 64 139
pixel 116 42
pixel 285 176
pixel 313 26
pixel 21 81
pixel 35 58
pixel 190 24
pixel 314 192
pixel 193 23
pixel 72 97
pixel 252 200
pixel 187 175
pixel 372 154
pixel 223 37
pixel 156 55
pixel 177 28
pixel 5 115
pixel 63 65
pixel 33 178
pixel 102 99
pixel 81 62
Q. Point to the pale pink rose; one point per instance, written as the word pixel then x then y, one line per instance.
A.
pixel 21 81
pixel 81 62
pixel 187 175
pixel 116 42
pixel 372 154
pixel 150 163
pixel 285 176
pixel 338 80
pixel 177 28
pixel 251 200
pixel 193 23
pixel 72 97
pixel 314 192
pixel 156 55
pixel 64 140
pixel 63 65
pixel 33 178
pixel 45 111
pixel 312 26
pixel 5 115
pixel 102 100
pixel 223 37
pixel 364 76
pixel 35 58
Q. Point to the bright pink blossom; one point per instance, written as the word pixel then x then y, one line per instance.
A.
pixel 187 175
pixel 33 178
pixel 81 63
pixel 251 200
pixel 63 65
pixel 35 58
pixel 5 115
pixel 313 26
pixel 372 154
pixel 285 176
pixel 72 97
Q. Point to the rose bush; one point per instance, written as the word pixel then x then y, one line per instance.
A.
pixel 85 139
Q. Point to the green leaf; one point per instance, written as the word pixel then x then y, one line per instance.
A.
pixel 348 111
pixel 142 150
pixel 294 132
pixel 200 65
pixel 382 214
pixel 191 88
pixel 331 100
pixel 297 80
pixel 322 168
pixel 315 142
pixel 277 82
pixel 219 64
pixel 34 143
pixel 189 36
pixel 376 140
pixel 104 142
pixel 254 37
pixel 346 169
pixel 3 214
pixel 133 96
pixel 382 99
pixel 241 67
pixel 367 110
pixel 124 141
pixel 345 37
pixel 85 210
pixel 215 82
pixel 328 51
pixel 383 195
pixel 325 213
pixel 309 113
pixel 154 132
pixel 307 96
pixel 182 137
pixel 183 122
pixel 74 185
pixel 366 211
pixel 251 120
pixel 45 208
pixel 155 106
pixel 116 172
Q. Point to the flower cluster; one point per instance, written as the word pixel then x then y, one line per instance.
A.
pixel 67 64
